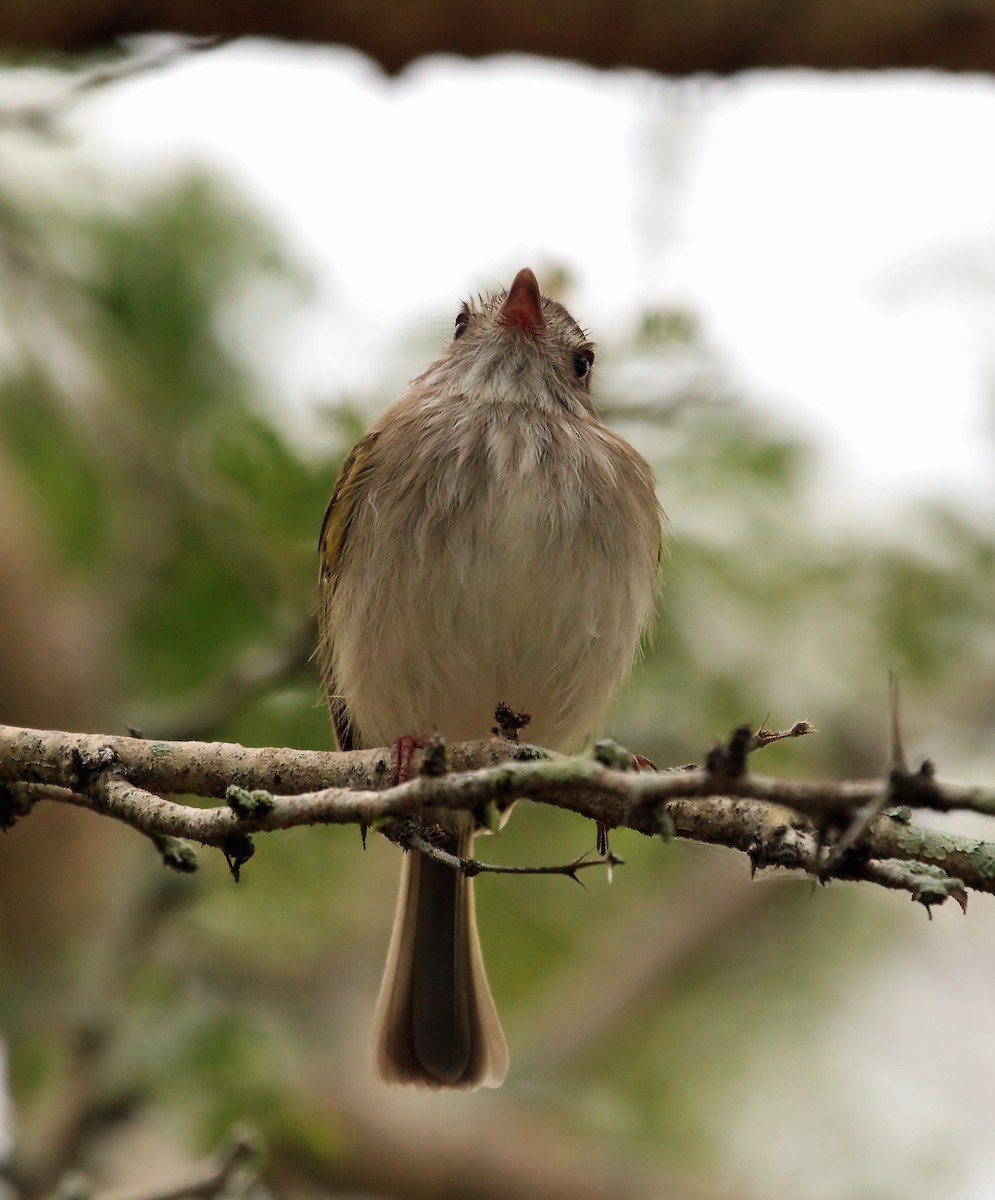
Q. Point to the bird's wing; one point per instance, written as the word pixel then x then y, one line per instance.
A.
pixel 334 537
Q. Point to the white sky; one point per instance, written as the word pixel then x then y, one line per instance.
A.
pixel 834 233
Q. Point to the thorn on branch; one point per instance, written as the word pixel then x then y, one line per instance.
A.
pixel 905 790
pixel 237 849
pixel 601 830
pixel 488 816
pixel 617 758
pixel 896 751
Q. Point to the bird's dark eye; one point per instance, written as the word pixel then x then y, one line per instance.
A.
pixel 462 320
pixel 583 361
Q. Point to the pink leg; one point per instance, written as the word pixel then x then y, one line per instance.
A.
pixel 401 754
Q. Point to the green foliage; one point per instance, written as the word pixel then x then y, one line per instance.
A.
pixel 68 487
pixel 167 482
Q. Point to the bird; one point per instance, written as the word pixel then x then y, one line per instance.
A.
pixel 488 541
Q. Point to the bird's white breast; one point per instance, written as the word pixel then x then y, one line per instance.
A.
pixel 527 574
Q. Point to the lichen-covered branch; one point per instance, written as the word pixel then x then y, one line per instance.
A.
pixel 778 823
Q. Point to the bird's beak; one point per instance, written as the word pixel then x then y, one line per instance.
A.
pixel 522 308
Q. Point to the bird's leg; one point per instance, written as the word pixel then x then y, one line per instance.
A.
pixel 401 754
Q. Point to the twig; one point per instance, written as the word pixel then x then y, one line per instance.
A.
pixel 412 840
pixel 767 737
pixel 896 749
pixel 746 743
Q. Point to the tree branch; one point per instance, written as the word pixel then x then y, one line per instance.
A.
pixel 777 823
pixel 676 39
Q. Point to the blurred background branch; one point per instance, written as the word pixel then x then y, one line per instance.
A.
pixel 231 1171
pixel 55 96
pixel 718 38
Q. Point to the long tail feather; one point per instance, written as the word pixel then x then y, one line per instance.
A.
pixel 436 1025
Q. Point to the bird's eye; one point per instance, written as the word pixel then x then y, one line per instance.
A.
pixel 462 320
pixel 583 361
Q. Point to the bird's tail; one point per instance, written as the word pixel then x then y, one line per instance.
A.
pixel 435 1024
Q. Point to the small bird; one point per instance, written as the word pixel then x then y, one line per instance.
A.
pixel 488 541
